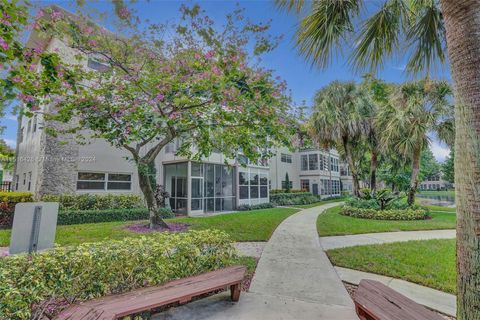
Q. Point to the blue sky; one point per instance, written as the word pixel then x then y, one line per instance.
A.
pixel 303 80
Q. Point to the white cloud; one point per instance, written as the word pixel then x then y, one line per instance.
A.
pixel 440 151
pixel 10 142
pixel 11 117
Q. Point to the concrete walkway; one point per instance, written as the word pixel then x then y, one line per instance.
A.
pixel 384 237
pixel 434 299
pixel 294 280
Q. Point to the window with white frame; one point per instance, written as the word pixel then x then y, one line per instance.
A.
pixel 305 185
pixel 287 158
pixel 104 181
pixel 24 178
pixel 304 162
pixel 243 183
pixel 253 184
pixel 284 185
pixel 17 178
pixel 313 161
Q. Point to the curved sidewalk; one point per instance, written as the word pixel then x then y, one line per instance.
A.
pixel 334 242
pixel 294 280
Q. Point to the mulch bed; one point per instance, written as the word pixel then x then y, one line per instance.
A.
pixel 145 228
pixel 351 288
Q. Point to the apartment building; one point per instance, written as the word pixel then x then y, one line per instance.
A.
pixel 47 164
pixel 316 171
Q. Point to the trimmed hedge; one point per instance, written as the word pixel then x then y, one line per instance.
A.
pixel 30 284
pixel 8 200
pixel 283 199
pixel 89 201
pixel 390 214
pixel 246 207
pixel 275 191
pixel 66 217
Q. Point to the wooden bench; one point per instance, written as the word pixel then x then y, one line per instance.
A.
pixel 375 301
pixel 137 301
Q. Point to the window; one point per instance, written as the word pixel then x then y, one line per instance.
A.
pixel 334 164
pixel 304 161
pixel 17 178
pixel 24 178
pixel 254 185
pixel 287 158
pixel 117 181
pixel 29 126
pixel 29 180
pixel 305 185
pixel 242 160
pixel 263 186
pixel 91 181
pixel 21 134
pixel 243 182
pixel 321 164
pixel 102 181
pixel 313 162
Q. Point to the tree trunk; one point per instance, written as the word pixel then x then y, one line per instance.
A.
pixel 353 169
pixel 462 26
pixel 373 170
pixel 417 154
pixel 148 194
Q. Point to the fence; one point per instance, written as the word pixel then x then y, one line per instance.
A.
pixel 6 186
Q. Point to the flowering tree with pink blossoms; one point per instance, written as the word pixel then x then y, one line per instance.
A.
pixel 193 81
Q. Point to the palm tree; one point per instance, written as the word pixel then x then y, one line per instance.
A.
pixel 415 110
pixel 337 122
pixel 423 27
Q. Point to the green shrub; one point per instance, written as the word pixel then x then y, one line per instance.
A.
pixel 89 201
pixel 166 213
pixel 246 207
pixel 275 191
pixel 283 199
pixel 94 216
pixel 29 283
pixel 8 200
pixel 362 203
pixel 390 214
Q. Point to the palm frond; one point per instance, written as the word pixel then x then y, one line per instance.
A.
pixel 290 5
pixel 379 36
pixel 426 37
pixel 321 32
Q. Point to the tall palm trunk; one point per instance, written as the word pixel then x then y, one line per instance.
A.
pixel 148 194
pixel 351 164
pixel 416 156
pixel 462 25
pixel 373 170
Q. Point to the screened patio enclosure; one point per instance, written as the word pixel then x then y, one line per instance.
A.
pixel 212 187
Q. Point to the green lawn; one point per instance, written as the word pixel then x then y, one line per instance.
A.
pixel 430 262
pixel 257 225
pixel 332 223
pixel 438 193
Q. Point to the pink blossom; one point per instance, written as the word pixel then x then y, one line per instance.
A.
pixel 88 30
pixel 197 56
pixel 160 97
pixel 92 43
pixel 25 97
pixel 210 54
pixel 32 67
pixel 3 44
pixel 35 108
pixel 216 70
pixel 173 115
pixel 56 15
pixel 16 79
pixel 41 13
pixel 124 13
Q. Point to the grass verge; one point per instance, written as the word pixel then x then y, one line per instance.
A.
pixel 257 225
pixel 332 223
pixel 429 263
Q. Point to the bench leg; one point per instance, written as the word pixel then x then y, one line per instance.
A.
pixel 235 292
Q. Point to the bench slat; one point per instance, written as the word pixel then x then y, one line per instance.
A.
pixel 383 303
pixel 182 290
